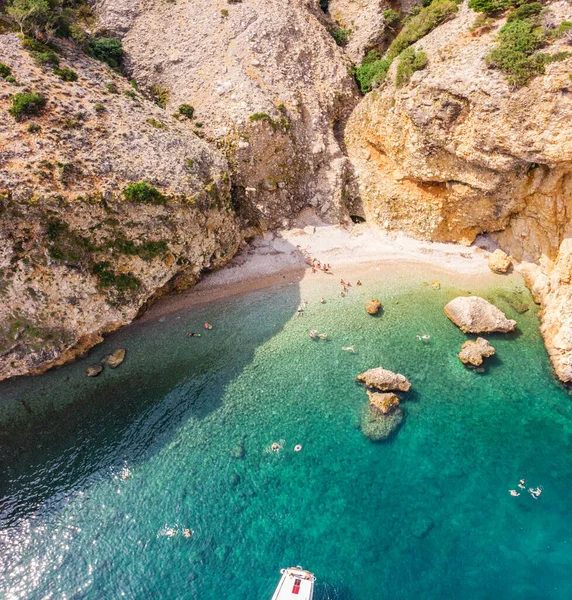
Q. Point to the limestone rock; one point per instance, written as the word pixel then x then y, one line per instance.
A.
pixel 94 370
pixel 384 381
pixel 459 151
pixel 372 307
pixel 79 260
pixel 114 359
pixel 473 352
pixel 473 314
pixel 551 286
pixel 269 85
pixel 384 402
pixel 378 426
pixel 499 261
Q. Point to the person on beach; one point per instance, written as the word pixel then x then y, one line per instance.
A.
pixel 513 493
pixel 313 269
pixel 342 294
pixel 342 282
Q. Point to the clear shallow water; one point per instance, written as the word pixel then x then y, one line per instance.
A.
pixel 426 515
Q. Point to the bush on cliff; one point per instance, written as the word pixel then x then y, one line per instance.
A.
pixel 143 193
pixel 107 50
pixel 26 105
pixel 372 71
pixel 409 62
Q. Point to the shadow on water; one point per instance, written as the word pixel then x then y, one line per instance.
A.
pixel 62 431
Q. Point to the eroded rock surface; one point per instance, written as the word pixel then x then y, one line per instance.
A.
pixel 269 86
pixel 473 314
pixel 499 261
pixel 377 426
pixel 384 381
pixel 372 307
pixel 473 352
pixel 78 259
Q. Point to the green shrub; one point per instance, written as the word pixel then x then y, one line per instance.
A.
pixel 99 107
pixel 107 50
pixel 143 193
pixel 26 105
pixel 34 128
pixel 156 123
pixel 224 12
pixel 107 278
pixel 409 61
pixel 421 24
pixel 65 74
pixel 5 70
pixel 48 58
pixel 10 79
pixel 489 6
pixel 341 36
pixel 517 41
pixel 160 96
pixel 525 12
pixel 186 110
pixel 372 71
pixel 111 87
pixel 390 17
pixel 130 94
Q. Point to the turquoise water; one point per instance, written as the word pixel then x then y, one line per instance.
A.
pixel 425 515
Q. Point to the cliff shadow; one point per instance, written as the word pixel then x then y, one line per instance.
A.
pixel 61 431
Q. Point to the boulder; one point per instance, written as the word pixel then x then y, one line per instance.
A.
pixel 377 426
pixel 383 402
pixel 94 370
pixel 383 380
pixel 373 307
pixel 473 352
pixel 114 359
pixel 473 314
pixel 499 261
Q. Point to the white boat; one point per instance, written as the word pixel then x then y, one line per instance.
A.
pixel 295 584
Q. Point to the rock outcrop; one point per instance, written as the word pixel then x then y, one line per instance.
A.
pixel 268 84
pixel 383 380
pixel 378 426
pixel 458 150
pixel 384 402
pixel 551 286
pixel 499 261
pixel 473 314
pixel 79 257
pixel 474 352
pixel 372 307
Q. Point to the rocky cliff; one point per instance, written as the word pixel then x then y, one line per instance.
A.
pixel 268 84
pixel 105 200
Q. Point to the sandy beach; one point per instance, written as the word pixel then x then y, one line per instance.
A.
pixel 351 251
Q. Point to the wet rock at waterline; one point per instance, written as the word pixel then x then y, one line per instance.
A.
pixel 473 314
pixel 114 359
pixel 499 261
pixel 94 370
pixel 474 352
pixel 383 402
pixel 373 307
pixel 384 381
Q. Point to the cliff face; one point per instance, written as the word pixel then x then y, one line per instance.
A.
pixel 78 256
pixel 269 87
pixel 458 151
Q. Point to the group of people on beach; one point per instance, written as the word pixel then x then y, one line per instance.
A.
pixel 534 492
pixel 346 285
pixel 318 266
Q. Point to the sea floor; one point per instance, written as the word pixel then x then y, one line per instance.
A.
pixel 189 423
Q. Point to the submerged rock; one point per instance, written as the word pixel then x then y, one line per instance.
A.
pixel 422 526
pixel 473 352
pixel 383 380
pixel 373 307
pixel 473 314
pixel 94 370
pixel 239 451
pixel 377 426
pixel 499 261
pixel 114 359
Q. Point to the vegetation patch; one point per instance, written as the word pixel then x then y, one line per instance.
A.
pixel 26 104
pixel 105 49
pixel 409 62
pixel 282 123
pixel 372 70
pixel 186 110
pixel 160 96
pixel 341 36
pixel 65 74
pixel 143 193
pixel 5 70
pixel 156 123
pixel 391 17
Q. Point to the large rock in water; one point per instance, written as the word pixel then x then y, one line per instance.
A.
pixel 384 402
pixel 372 307
pixel 383 380
pixel 473 314
pixel 473 352
pixel 268 84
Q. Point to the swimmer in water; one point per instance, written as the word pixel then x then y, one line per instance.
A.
pixel 297 448
pixel 322 336
pixel 349 348
pixel 275 446
pixel 193 334
pixel 187 532
pixel 535 493
pixel 208 326
pixel 125 473
pixel 423 337
pixel 322 301
pixel 521 484
pixel 313 333
pixel 513 493
pixel 170 532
